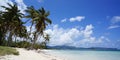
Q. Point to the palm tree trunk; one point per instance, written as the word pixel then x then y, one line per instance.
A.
pixel 35 39
pixel 0 38
pixel 31 28
pixel 15 40
pixel 10 39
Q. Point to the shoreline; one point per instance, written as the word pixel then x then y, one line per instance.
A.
pixel 31 55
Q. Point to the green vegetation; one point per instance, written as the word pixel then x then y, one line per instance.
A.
pixel 7 51
pixel 13 32
pixel 39 20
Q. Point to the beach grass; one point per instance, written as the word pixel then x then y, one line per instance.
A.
pixel 7 51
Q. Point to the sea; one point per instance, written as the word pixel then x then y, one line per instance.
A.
pixel 86 54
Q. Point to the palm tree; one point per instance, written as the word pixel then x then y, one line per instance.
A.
pixel 20 31
pixel 31 14
pixel 12 18
pixel 1 29
pixel 40 20
pixel 47 39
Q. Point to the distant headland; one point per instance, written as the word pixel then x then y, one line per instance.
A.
pixel 82 48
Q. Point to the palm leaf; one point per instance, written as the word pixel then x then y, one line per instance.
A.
pixel 48 21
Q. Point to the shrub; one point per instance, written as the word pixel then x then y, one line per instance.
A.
pixel 8 50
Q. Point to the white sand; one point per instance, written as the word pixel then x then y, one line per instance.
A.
pixel 30 55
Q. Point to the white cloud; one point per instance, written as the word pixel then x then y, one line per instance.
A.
pixel 115 19
pixel 113 26
pixel 32 29
pixel 88 31
pixel 114 22
pixel 87 36
pixel 21 5
pixel 4 3
pixel 64 20
pixel 60 36
pixel 103 38
pixel 75 36
pixel 72 19
pixel 92 42
pixel 77 18
pixel 78 37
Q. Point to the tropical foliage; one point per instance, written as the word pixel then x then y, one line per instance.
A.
pixel 39 20
pixel 13 29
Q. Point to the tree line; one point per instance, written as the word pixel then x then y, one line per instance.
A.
pixel 13 29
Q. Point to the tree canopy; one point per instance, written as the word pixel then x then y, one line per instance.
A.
pixel 13 27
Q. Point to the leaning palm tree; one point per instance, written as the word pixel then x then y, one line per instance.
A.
pixel 31 14
pixel 40 20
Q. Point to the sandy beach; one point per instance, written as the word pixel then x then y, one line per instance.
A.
pixel 30 55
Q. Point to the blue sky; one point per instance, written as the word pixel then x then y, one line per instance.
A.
pixel 80 23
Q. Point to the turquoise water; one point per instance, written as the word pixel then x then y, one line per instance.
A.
pixel 86 55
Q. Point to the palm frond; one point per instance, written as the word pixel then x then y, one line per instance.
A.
pixel 48 21
pixel 47 14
